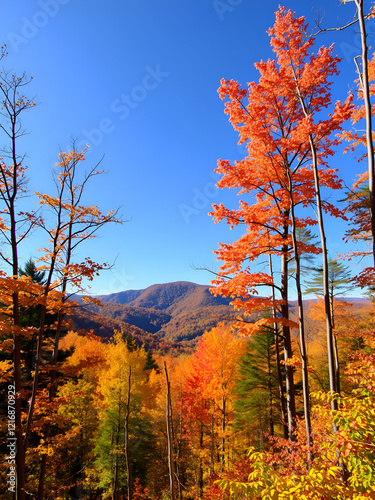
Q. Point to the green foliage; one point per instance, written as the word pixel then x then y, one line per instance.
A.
pixel 31 271
pixel 257 390
pixel 339 279
pixel 151 364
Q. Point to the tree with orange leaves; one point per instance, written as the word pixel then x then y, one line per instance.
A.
pixel 209 397
pixel 75 223
pixel 284 139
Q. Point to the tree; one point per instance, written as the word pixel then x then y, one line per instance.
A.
pixel 118 407
pixel 257 394
pixel 339 283
pixel 209 392
pixel 339 280
pixel 358 199
pixel 15 228
pixel 365 71
pixel 151 364
pixel 168 417
pixel 285 168
pixel 75 223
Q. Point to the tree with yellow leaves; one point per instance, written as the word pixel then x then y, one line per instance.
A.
pixel 115 391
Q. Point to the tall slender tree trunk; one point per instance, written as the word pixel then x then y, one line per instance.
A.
pixel 278 363
pixel 364 82
pixel 20 451
pixel 200 469
pixel 260 423
pixel 301 322
pixel 288 352
pixel 223 422
pixel 169 437
pixel 335 347
pixel 329 328
pixel 212 462
pixel 319 209
pixel 270 395
pixel 127 455
pixel 178 454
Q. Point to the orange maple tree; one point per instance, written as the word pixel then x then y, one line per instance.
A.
pixel 279 121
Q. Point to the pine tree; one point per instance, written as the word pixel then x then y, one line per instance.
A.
pixel 339 282
pixel 258 400
pixel 150 363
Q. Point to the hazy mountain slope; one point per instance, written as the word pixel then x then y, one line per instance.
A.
pixel 149 320
pixel 102 326
pixel 121 297
pixel 170 297
pixel 178 311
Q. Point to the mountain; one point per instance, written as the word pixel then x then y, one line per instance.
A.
pixel 84 318
pixel 165 317
pixel 175 311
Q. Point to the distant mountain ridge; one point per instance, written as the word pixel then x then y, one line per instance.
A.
pixel 166 316
pixel 179 310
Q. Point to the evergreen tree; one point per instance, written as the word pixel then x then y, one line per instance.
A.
pixel 339 281
pixel 258 401
pixel 31 271
pixel 150 363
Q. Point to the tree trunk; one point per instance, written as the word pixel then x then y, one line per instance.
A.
pixel 178 455
pixel 302 336
pixel 222 457
pixel 20 453
pixel 169 437
pixel 288 353
pixel 278 363
pixel 200 470
pixel 329 328
pixel 260 429
pixel 270 395
pixel 319 209
pixel 212 462
pixel 364 82
pixel 127 456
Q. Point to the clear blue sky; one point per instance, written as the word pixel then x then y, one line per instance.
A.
pixel 138 79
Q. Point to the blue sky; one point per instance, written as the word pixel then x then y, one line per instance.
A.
pixel 137 79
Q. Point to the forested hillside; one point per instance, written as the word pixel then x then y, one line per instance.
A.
pixel 177 312
pixel 174 311
pixel 85 319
